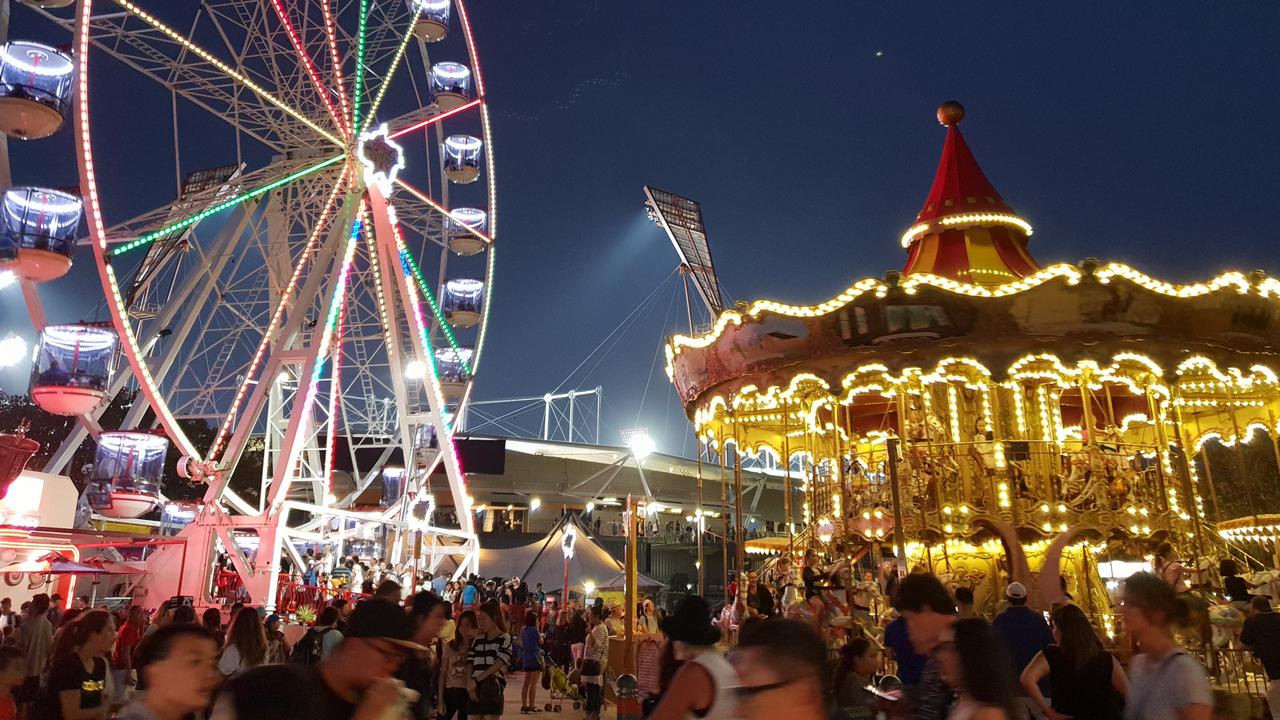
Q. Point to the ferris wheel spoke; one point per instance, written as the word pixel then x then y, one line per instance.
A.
pixel 444 211
pixel 335 58
pixel 173 227
pixel 241 78
pixel 305 57
pixel 424 118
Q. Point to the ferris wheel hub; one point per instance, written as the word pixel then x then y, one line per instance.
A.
pixel 382 157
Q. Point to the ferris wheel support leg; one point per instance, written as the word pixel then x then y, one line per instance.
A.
pixel 389 256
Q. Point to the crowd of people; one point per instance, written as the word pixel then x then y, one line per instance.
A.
pixel 809 641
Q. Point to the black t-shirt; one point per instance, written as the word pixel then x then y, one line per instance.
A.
pixel 69 674
pixel 521 594
pixel 1261 633
pixel 1237 590
pixel 269 692
pixel 1083 692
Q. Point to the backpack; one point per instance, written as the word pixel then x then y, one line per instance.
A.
pixel 307 652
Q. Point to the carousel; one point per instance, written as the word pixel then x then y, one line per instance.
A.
pixel 988 417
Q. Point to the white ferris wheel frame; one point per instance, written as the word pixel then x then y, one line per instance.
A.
pixel 362 204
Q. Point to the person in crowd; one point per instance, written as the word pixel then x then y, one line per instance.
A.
pixel 540 597
pixel 929 611
pixel 470 594
pixel 344 612
pixel 1169 569
pixel 55 610
pixel 530 662
pixel 455 670
pixel 356 682
pixel 647 618
pixel 1024 631
pixel 576 634
pixel 327 628
pixel 519 600
pixel 162 616
pixel 427 612
pixel 1085 680
pixel 177 674
pixel 703 686
pixel 187 614
pixel 859 661
pixel 865 598
pixel 759 598
pixel 77 684
pixel 491 656
pixel 127 639
pixel 35 638
pixel 616 620
pixel 1165 683
pixel 8 618
pixel 13 672
pixel 278 648
pixel 594 655
pixel 1261 634
pixel 1234 588
pixel 964 603
pixel 781 666
pixel 211 619
pixel 974 663
pixel 898 642
pixel 391 591
pixel 246 644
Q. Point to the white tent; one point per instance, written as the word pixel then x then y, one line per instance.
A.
pixel 543 562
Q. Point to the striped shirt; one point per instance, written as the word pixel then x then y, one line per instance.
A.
pixel 485 652
pixel 597 643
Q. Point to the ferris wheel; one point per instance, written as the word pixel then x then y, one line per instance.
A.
pixel 317 295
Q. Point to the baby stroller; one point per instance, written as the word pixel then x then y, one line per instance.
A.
pixel 558 683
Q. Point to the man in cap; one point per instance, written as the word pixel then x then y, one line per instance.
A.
pixel 356 681
pixel 1025 633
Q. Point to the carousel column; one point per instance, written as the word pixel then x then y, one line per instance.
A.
pixel 1000 475
pixel 1187 484
pixel 697 518
pixel 786 480
pixel 899 533
pixel 841 480
pixel 724 519
pixel 1162 440
pixel 739 534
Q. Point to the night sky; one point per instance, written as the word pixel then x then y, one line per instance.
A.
pixel 1137 132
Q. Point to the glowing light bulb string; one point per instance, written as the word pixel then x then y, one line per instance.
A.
pixel 187 222
pixel 335 391
pixel 335 59
pixel 359 82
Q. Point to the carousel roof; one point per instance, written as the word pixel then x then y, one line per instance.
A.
pixel 965 230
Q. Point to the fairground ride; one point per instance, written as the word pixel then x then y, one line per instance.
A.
pixel 320 298
pixel 990 417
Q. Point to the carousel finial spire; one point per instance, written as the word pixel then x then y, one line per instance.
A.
pixel 965 230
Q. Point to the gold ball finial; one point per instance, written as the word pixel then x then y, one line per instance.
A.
pixel 950 113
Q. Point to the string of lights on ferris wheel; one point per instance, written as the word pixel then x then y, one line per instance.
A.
pixel 309 66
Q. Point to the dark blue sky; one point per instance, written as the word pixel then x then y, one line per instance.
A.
pixel 1139 132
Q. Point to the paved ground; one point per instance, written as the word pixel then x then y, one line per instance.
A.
pixel 512 708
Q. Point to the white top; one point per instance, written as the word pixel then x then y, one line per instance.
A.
pixel 724 678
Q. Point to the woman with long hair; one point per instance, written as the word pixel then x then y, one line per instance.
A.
pixel 1169 569
pixel 1087 682
pixel 974 662
pixel 455 669
pixel 1164 681
pixel 491 656
pixel 76 688
pixel 246 645
pixel 530 662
